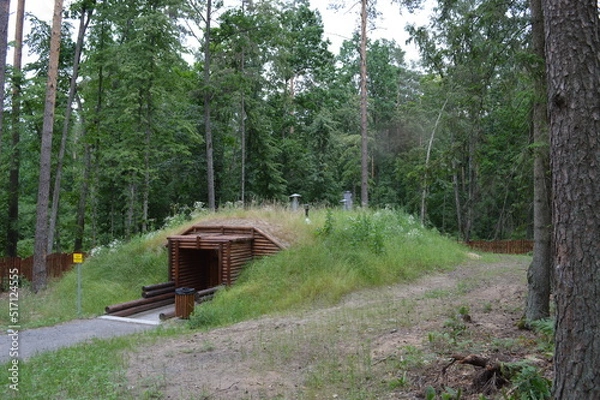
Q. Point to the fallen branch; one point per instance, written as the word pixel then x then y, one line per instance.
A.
pixel 492 376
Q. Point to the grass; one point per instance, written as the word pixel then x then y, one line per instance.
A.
pixel 351 251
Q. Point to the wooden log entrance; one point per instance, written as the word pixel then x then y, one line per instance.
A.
pixel 202 258
pixel 207 256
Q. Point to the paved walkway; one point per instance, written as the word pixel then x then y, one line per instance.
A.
pixel 33 341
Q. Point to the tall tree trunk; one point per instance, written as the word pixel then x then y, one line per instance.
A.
pixel 472 190
pixel 246 5
pixel 87 186
pixel 147 178
pixel 243 145
pixel 573 75
pixel 12 231
pixel 129 228
pixel 41 225
pixel 210 168
pixel 364 138
pixel 81 205
pixel 540 269
pixel 426 175
pixel 4 14
pixel 84 20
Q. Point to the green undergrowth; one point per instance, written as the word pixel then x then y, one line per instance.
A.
pixel 348 251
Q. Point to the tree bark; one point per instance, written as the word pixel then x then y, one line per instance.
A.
pixel 573 75
pixel 81 204
pixel 41 226
pixel 210 168
pixel 364 138
pixel 12 231
pixel 540 269
pixel 83 23
pixel 243 145
pixel 4 14
pixel 426 174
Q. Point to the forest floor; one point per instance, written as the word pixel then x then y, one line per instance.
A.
pixel 396 342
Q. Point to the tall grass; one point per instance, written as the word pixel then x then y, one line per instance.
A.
pixel 346 252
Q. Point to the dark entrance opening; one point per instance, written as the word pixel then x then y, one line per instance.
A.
pixel 198 268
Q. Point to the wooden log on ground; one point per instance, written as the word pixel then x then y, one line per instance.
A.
pixel 158 286
pixel 145 307
pixel 156 292
pixel 208 291
pixel 166 315
pixel 490 376
pixel 134 303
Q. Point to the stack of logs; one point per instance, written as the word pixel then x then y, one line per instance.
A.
pixel 153 296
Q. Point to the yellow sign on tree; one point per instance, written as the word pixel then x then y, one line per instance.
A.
pixel 77 258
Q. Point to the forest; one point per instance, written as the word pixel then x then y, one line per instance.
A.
pixel 164 107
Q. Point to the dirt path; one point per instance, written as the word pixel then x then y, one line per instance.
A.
pixel 358 349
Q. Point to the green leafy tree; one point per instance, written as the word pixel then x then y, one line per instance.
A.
pixel 473 46
pixel 136 87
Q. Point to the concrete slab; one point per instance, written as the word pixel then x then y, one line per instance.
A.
pixel 150 317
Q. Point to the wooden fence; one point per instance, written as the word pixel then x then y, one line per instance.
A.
pixel 502 246
pixel 56 265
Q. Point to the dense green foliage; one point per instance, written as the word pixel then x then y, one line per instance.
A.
pixel 284 115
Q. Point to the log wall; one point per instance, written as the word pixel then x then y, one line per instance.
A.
pixel 191 265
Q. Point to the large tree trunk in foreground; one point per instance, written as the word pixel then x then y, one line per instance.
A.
pixel 573 72
pixel 40 275
pixel 540 270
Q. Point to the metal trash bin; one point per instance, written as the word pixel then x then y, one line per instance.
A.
pixel 184 302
